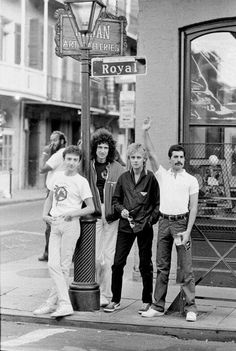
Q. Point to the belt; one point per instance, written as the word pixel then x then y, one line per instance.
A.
pixel 174 217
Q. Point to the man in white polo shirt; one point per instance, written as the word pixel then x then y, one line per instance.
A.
pixel 178 210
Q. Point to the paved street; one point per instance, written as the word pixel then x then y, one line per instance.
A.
pixel 22 231
pixel 22 216
pixel 36 337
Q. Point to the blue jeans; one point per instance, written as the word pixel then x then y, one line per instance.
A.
pixel 167 230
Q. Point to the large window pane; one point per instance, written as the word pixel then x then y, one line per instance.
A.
pixel 34 34
pixel 213 79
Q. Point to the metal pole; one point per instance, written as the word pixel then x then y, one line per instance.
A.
pixel 10 181
pixel 84 291
pixel 85 111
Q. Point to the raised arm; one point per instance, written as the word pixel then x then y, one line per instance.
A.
pixel 148 145
pixel 44 168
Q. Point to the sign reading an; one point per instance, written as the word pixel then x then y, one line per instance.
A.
pixel 103 67
pixel 109 38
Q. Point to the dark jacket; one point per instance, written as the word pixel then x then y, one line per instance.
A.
pixel 141 200
pixel 114 170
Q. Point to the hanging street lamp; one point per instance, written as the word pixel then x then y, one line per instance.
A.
pixel 84 291
pixel 83 15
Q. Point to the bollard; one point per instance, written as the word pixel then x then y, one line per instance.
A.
pixel 10 181
pixel 84 291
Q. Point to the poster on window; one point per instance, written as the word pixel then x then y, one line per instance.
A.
pixel 214 189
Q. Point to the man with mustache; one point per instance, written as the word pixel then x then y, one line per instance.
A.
pixel 52 162
pixel 178 210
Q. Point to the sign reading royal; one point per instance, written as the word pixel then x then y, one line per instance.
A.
pixel 110 66
pixel 109 38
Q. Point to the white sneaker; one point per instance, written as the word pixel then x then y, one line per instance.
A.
pixel 44 309
pixel 152 313
pixel 63 310
pixel 103 301
pixel 191 316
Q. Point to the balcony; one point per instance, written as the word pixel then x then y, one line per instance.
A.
pixel 69 92
pixel 24 81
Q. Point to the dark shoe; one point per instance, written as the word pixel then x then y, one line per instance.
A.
pixel 112 307
pixel 43 258
pixel 103 301
pixel 144 308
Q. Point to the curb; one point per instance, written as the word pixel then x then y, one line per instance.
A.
pixel 13 202
pixel 210 334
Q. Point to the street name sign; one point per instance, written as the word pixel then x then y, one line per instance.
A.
pixel 125 65
pixel 109 38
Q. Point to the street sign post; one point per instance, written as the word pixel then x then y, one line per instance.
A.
pixel 116 66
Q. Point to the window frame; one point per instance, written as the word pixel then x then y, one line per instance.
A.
pixel 7 150
pixel 186 36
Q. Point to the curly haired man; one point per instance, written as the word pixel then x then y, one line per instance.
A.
pixel 104 174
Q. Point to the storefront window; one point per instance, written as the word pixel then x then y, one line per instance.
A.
pixel 209 114
pixel 213 79
pixel 5 152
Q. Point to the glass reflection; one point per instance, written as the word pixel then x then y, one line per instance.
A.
pixel 213 79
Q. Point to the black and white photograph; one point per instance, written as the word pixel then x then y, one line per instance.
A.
pixel 118 175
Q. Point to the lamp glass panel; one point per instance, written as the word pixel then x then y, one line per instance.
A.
pixel 96 14
pixel 82 12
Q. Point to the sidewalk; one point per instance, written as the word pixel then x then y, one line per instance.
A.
pixel 25 284
pixel 24 195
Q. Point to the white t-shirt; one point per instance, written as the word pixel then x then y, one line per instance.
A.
pixel 175 190
pixel 56 162
pixel 69 192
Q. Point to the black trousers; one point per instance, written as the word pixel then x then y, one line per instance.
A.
pixel 47 236
pixel 123 246
pixel 47 232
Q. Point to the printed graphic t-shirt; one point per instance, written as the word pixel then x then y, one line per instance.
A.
pixel 69 192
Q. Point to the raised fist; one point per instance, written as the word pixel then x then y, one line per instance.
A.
pixel 146 124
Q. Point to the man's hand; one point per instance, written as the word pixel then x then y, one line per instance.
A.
pixel 185 237
pixel 146 124
pixel 47 150
pixel 124 213
pixel 68 218
pixel 48 219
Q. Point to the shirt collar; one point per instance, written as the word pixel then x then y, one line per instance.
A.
pixel 177 174
pixel 144 171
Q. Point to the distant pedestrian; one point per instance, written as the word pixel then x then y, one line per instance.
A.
pixel 136 199
pixel 62 210
pixel 51 162
pixel 104 174
pixel 178 210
